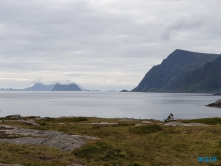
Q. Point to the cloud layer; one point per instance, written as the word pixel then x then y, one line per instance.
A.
pixel 99 43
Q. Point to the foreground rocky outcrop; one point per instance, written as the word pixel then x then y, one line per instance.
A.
pixel 217 104
pixel 54 139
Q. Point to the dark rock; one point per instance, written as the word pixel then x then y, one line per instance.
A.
pixel 124 90
pixel 218 93
pixel 13 117
pixel 216 104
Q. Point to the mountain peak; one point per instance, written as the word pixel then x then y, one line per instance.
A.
pixel 173 70
pixel 67 86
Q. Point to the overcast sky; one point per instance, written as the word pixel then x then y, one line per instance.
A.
pixel 100 44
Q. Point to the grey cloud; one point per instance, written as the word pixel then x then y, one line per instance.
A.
pixel 183 22
pixel 100 42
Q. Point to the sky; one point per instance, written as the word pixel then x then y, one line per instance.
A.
pixel 100 44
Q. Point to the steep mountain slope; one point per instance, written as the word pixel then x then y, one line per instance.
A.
pixel 40 87
pixel 205 79
pixel 66 87
pixel 169 75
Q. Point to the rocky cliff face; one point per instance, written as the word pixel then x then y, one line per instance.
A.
pixel 170 74
pixel 205 79
pixel 66 87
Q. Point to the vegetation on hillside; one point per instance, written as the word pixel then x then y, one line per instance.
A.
pixel 124 144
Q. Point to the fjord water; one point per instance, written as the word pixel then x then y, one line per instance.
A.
pixel 108 104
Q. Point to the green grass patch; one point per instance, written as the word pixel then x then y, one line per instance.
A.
pixel 100 151
pixel 146 129
pixel 209 121
pixel 71 119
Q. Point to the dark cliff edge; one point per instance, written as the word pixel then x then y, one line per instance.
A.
pixel 205 79
pixel 170 74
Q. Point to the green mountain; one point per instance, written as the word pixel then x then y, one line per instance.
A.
pixel 205 79
pixel 170 74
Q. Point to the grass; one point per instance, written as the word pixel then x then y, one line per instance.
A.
pixel 100 151
pixel 146 129
pixel 124 144
pixel 209 121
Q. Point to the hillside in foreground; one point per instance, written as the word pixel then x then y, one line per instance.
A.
pixel 123 142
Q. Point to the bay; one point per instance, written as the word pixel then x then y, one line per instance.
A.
pixel 108 104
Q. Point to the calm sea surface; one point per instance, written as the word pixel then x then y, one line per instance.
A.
pixel 108 104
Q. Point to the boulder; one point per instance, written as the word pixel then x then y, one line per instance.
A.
pixel 13 117
pixel 218 93
pixel 216 104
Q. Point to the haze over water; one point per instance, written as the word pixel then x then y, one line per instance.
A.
pixel 108 104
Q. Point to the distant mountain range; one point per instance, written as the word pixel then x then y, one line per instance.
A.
pixel 184 71
pixel 51 87
pixel 40 87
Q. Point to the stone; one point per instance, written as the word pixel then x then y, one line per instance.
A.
pixel 184 124
pixel 146 121
pixel 215 104
pixel 218 93
pixel 102 123
pixel 1 164
pixel 14 117
pixel 218 102
pixel 50 138
pixel 76 165
pixel 139 124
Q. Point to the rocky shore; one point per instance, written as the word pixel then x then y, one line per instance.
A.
pixel 216 104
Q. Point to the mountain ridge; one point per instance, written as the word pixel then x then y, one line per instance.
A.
pixel 169 75
pixel 207 78
pixel 40 87
pixel 66 87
